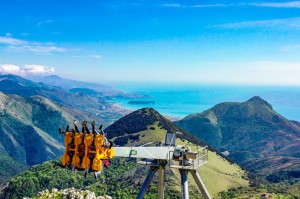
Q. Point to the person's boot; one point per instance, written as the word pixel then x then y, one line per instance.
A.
pixel 75 126
pixel 68 128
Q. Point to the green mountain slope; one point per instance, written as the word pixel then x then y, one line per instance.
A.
pixel 255 135
pixel 21 129
pixel 28 128
pixel 124 178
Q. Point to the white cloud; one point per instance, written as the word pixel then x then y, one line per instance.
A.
pixel 288 22
pixel 24 34
pixel 176 5
pixel 289 4
pixel 11 41
pixel 35 47
pixel 10 69
pixel 95 56
pixel 44 22
pixel 26 70
pixel 172 5
pixel 38 69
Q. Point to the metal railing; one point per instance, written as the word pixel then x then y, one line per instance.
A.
pixel 190 160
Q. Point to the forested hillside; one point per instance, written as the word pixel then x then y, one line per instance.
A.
pixel 253 135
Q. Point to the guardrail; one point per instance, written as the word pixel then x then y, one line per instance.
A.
pixel 190 160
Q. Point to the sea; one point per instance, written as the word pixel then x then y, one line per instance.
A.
pixel 182 99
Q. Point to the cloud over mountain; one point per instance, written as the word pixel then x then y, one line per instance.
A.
pixel 26 70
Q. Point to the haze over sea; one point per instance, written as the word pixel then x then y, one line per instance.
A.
pixel 182 99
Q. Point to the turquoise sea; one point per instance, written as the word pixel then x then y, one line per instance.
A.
pixel 182 99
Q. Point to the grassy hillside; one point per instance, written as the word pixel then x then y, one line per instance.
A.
pixel 124 178
pixel 256 137
pixel 218 174
pixel 276 191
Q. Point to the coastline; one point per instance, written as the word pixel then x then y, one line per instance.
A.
pixel 181 100
pixel 122 110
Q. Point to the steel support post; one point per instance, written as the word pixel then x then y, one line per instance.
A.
pixel 161 182
pixel 184 184
pixel 200 184
pixel 147 182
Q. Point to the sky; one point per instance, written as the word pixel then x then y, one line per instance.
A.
pixel 227 42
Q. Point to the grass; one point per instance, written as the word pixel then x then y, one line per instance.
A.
pixel 150 135
pixel 219 175
pixel 256 193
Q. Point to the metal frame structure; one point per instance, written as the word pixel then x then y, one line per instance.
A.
pixel 161 157
pixel 78 154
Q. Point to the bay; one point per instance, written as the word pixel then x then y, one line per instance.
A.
pixel 182 99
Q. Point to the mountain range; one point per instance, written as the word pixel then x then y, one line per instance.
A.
pixel 96 89
pixel 80 102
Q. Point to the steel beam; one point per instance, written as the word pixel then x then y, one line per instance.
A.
pixel 200 184
pixel 184 184
pixel 158 152
pixel 147 182
pixel 161 182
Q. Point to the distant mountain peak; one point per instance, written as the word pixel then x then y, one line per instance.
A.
pixel 147 111
pixel 142 119
pixel 53 77
pixel 134 122
pixel 10 77
pixel 258 100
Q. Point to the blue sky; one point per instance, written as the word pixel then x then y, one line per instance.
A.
pixel 233 42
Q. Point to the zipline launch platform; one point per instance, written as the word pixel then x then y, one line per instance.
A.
pixel 92 151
